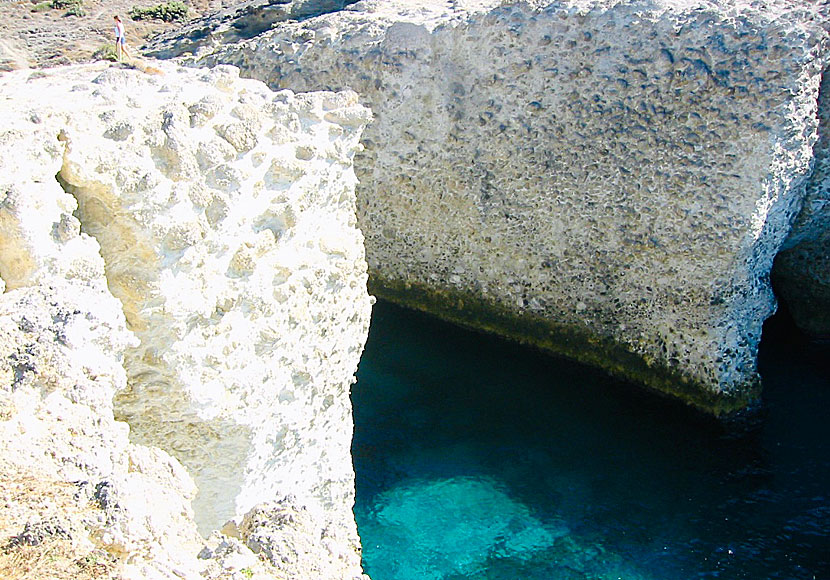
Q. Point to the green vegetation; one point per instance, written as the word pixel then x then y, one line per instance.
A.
pixel 168 12
pixel 247 572
pixel 105 52
pixel 73 7
pixel 76 10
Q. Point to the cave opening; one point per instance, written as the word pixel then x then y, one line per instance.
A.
pixel 479 458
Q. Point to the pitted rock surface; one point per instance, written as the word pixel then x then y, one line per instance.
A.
pixel 802 271
pixel 179 251
pixel 610 180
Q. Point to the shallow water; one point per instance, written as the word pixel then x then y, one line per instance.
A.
pixel 477 458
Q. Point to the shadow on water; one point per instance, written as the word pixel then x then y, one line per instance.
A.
pixel 478 458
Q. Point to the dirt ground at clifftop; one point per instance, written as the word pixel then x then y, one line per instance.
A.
pixel 46 37
pixel 41 523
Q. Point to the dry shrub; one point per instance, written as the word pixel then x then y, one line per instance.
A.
pixel 56 559
pixel 41 522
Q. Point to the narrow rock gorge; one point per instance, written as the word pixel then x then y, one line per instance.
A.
pixel 187 255
pixel 607 180
pixel 207 351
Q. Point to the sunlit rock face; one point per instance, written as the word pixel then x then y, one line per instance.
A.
pixel 239 21
pixel 225 215
pixel 62 342
pixel 802 271
pixel 608 180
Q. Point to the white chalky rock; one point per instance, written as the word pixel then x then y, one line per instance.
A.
pixel 63 347
pixel 225 215
pixel 802 271
pixel 62 341
pixel 609 180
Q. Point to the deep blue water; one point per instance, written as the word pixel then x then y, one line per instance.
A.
pixel 478 458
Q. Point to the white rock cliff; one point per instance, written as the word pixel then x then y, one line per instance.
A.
pixel 223 318
pixel 608 180
pixel 802 270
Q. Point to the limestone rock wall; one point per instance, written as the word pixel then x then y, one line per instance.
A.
pixel 62 342
pixel 802 271
pixel 227 329
pixel 240 21
pixel 609 180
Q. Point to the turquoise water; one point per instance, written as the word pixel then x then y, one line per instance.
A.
pixel 476 458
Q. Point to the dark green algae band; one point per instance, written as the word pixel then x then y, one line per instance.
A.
pixel 472 312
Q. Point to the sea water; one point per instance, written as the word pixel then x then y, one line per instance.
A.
pixel 478 458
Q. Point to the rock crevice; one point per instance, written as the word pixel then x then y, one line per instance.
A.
pixel 195 271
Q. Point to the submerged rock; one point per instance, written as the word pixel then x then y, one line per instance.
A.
pixel 222 320
pixel 463 523
pixel 607 180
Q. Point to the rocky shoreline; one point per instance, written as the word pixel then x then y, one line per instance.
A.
pixel 186 254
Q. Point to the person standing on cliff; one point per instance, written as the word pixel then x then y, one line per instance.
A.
pixel 120 39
